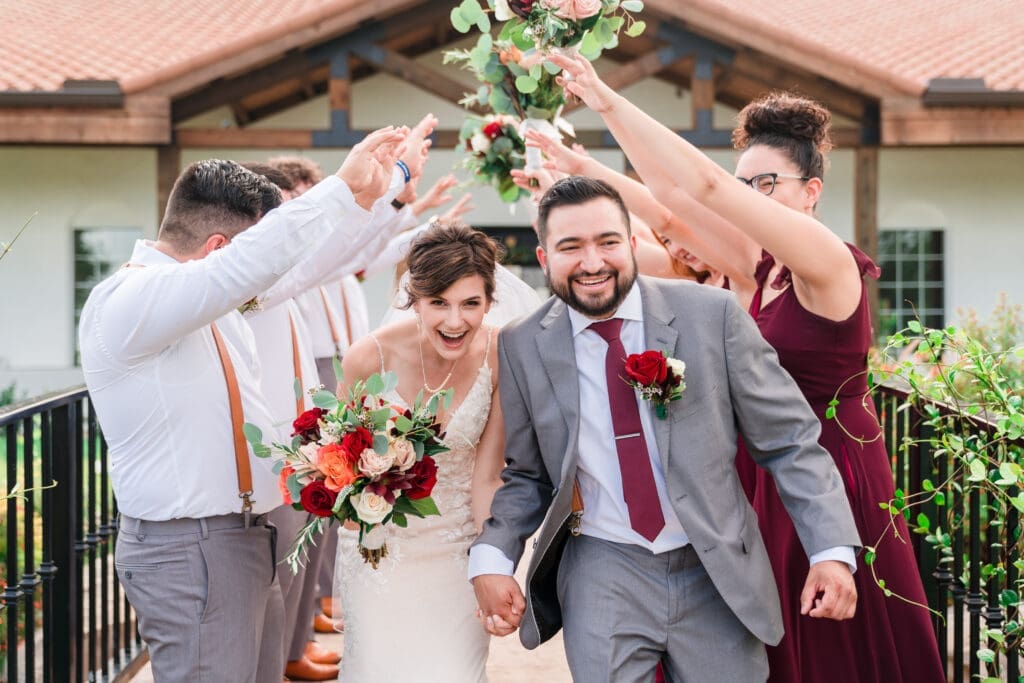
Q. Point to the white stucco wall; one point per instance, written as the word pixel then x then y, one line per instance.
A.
pixel 973 194
pixel 69 187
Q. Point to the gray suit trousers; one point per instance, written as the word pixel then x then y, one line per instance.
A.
pixel 207 597
pixel 297 590
pixel 625 608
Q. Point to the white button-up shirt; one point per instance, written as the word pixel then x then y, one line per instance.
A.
pixel 154 374
pixel 606 515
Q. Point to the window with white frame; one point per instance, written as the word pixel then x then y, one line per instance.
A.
pixel 912 285
pixel 98 253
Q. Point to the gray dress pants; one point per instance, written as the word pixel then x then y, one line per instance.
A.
pixel 207 597
pixel 624 608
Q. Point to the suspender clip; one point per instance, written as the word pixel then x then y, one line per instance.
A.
pixel 246 507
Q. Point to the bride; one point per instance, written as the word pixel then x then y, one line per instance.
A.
pixel 413 618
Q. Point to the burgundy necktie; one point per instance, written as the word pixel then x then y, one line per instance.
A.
pixel 634 461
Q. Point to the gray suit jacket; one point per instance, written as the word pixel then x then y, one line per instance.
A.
pixel 734 385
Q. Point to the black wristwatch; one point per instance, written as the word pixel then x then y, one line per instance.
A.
pixel 397 204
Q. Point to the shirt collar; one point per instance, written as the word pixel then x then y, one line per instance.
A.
pixel 146 254
pixel 631 308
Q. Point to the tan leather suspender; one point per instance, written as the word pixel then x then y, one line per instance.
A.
pixel 300 405
pixel 235 403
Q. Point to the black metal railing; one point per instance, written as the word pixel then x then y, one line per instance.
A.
pixel 62 597
pixel 954 586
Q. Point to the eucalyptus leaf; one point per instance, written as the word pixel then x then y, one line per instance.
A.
pixel 390 382
pixel 374 384
pixel 632 5
pixel 325 399
pixel 499 101
pixel 403 424
pixel 425 506
pixel 253 434
pixel 526 84
pixel 636 28
pixel 459 22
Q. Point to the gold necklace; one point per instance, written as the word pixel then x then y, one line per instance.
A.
pixel 423 370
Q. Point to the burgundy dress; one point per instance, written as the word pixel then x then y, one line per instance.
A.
pixel 888 640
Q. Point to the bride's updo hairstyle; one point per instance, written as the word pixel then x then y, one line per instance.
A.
pixel 444 254
pixel 795 125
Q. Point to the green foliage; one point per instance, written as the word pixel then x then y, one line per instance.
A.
pixel 964 385
pixel 9 395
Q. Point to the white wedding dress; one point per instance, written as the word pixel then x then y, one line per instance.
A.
pixel 414 617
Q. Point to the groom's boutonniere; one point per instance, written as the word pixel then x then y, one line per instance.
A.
pixel 657 377
pixel 253 305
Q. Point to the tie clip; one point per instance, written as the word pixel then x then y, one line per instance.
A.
pixel 627 436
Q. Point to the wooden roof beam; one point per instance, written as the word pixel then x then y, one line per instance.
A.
pixel 144 120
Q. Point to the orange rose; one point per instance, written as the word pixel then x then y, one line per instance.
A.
pixel 333 461
pixel 282 484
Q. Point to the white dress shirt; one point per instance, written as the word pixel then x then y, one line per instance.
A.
pixel 154 373
pixel 272 331
pixel 606 515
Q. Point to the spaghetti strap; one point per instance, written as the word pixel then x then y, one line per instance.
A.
pixel 380 351
pixel 487 353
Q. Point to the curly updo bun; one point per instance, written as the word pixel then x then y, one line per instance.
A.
pixel 444 254
pixel 800 127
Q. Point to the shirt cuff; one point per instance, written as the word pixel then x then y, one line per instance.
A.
pixel 486 559
pixel 840 553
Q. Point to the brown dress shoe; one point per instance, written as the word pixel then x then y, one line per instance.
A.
pixel 321 624
pixel 306 670
pixel 320 654
pixel 327 607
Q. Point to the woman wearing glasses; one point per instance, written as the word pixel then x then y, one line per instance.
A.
pixel 811 305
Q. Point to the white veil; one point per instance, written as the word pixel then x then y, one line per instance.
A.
pixel 513 299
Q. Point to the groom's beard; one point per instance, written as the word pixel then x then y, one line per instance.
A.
pixel 594 307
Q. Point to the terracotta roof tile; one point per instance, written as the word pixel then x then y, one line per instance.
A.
pixel 907 42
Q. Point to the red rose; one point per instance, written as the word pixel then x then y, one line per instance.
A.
pixel 492 130
pixel 422 477
pixel 317 499
pixel 521 8
pixel 307 425
pixel 356 442
pixel 647 368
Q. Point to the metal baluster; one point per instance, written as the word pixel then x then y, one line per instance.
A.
pixel 12 592
pixel 959 589
pixel 91 537
pixel 61 510
pixel 1013 532
pixel 77 528
pixel 943 580
pixel 29 577
pixel 105 531
pixel 115 627
pixel 46 567
pixel 975 601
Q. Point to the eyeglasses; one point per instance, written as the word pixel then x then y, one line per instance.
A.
pixel 765 182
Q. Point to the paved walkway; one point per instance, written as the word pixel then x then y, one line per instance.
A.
pixel 509 661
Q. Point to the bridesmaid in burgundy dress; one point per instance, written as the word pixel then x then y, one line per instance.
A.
pixel 810 303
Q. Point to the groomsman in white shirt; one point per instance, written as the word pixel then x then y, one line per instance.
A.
pixel 173 373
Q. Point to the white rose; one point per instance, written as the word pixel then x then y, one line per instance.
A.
pixel 402 453
pixel 677 366
pixel 480 143
pixel 371 508
pixel 373 464
pixel 309 452
pixel 502 12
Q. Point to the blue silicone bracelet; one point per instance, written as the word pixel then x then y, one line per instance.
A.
pixel 405 170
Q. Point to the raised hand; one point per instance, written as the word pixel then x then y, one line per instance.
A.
pixel 458 209
pixel 368 167
pixel 501 603
pixel 559 157
pixel 414 154
pixel 436 195
pixel 535 182
pixel 832 580
pixel 579 79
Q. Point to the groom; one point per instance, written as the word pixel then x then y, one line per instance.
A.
pixel 670 563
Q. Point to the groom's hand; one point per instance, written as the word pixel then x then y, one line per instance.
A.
pixel 501 603
pixel 829 591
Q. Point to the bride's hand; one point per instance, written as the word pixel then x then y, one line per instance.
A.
pixel 578 78
pixel 560 158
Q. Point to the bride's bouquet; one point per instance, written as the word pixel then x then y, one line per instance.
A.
pixel 363 459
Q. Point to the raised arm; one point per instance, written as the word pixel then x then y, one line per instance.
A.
pixel 676 171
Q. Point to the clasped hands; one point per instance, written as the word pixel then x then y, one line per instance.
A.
pixel 501 603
